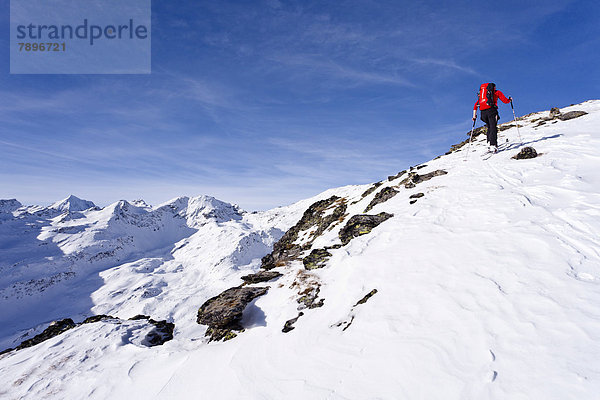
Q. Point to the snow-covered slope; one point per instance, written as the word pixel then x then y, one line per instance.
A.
pixel 486 287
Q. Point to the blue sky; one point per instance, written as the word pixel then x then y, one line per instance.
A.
pixel 263 103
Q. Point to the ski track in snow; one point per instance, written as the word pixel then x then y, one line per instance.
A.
pixel 487 288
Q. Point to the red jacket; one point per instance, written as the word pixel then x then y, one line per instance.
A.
pixel 482 101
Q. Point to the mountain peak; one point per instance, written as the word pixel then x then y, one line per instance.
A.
pixel 72 203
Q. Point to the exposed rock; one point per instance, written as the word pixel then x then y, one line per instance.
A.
pixel 55 329
pixel 163 332
pixel 316 259
pixel 366 298
pixel 139 316
pixel 262 276
pixel 571 114
pixel 346 324
pixel 526 152
pixel 398 175
pixel 360 225
pixel 289 324
pixel 503 127
pixel 217 334
pixel 414 197
pixel 372 188
pixel 413 178
pixel 310 298
pixel 224 311
pixel 384 195
pixel 286 250
pixel 97 318
pixel 554 112
pixel 478 131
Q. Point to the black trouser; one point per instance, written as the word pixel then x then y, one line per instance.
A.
pixel 491 117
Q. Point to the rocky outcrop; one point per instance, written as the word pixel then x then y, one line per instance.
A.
pixel 310 298
pixel 372 189
pixel 314 221
pixel 571 114
pixel 54 329
pixel 262 276
pixel 163 331
pixel 554 112
pixel 414 197
pixel 398 175
pixel 366 297
pixel 316 259
pixel 289 324
pixel 346 324
pixel 413 178
pixel 361 225
pixel 526 152
pixel 223 313
pixel 382 196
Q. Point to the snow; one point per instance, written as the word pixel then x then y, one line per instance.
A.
pixel 487 288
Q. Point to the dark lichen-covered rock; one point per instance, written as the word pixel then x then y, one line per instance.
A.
pixel 54 329
pixel 361 225
pixel 162 332
pixel 224 311
pixel 262 276
pixel 384 195
pixel 310 298
pixel 413 178
pixel 416 196
pixel 316 259
pixel 371 189
pixel 526 152
pixel 313 218
pixel 97 318
pixel 392 177
pixel 289 324
pixel 139 316
pixel 217 334
pixel 571 114
pixel 366 297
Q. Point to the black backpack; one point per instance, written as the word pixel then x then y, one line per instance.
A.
pixel 490 94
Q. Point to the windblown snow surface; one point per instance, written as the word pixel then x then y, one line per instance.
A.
pixel 488 287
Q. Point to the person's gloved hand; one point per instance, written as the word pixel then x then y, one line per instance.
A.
pixel 474 115
pixel 510 98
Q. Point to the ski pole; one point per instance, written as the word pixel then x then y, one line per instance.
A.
pixel 515 117
pixel 470 138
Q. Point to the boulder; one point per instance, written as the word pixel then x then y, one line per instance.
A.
pixel 526 152
pixel 374 186
pixel 262 276
pixel 571 114
pixel 554 112
pixel 382 196
pixel 289 324
pixel 361 225
pixel 224 311
pixel 413 178
pixel 285 249
pixel 316 259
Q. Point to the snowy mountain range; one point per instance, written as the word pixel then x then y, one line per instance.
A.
pixel 467 277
